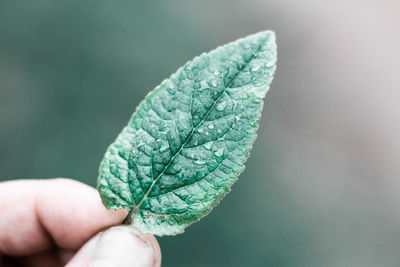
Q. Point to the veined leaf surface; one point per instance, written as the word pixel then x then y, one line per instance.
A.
pixel 187 142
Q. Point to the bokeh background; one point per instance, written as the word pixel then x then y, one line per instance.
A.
pixel 321 187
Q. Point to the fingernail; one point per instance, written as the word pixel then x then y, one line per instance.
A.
pixel 119 246
pixel 122 246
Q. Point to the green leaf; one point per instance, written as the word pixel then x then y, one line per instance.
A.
pixel 187 142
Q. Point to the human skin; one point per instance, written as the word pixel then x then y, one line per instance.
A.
pixel 57 222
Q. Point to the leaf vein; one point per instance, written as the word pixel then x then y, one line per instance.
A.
pixel 254 55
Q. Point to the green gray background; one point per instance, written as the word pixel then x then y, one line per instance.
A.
pixel 321 187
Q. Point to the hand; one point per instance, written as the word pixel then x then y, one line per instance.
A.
pixel 57 222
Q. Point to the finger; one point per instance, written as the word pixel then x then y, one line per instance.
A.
pixel 50 258
pixel 119 246
pixel 47 258
pixel 36 213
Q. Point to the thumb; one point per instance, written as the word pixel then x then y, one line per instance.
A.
pixel 119 246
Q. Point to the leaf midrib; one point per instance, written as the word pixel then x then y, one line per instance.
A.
pixel 137 207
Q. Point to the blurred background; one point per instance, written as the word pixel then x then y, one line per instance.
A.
pixel 322 185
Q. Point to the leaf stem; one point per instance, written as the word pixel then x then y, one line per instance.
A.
pixel 128 218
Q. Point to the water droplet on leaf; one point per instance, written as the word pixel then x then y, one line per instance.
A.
pixel 221 106
pixel 163 148
pixel 219 152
